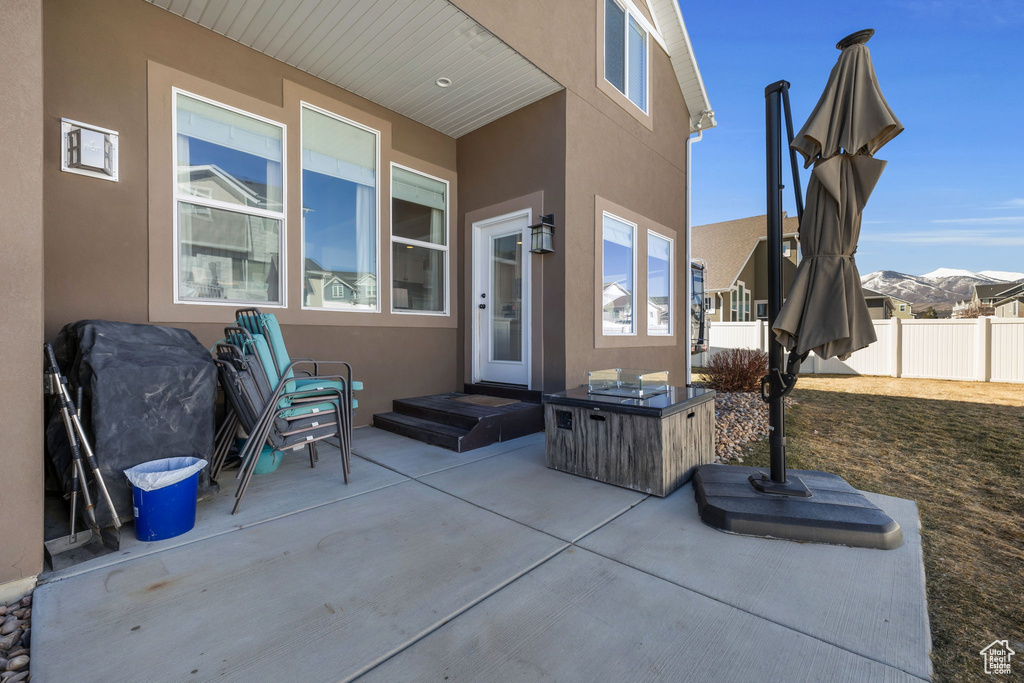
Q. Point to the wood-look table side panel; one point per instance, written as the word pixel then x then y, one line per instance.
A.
pixel 642 453
pixel 688 443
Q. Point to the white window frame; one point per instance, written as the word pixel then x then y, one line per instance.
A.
pixel 635 233
pixel 210 203
pixel 631 11
pixel 427 245
pixel 758 302
pixel 671 284
pixel 377 186
pixel 709 302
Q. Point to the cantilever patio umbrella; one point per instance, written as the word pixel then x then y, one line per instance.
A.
pixel 825 311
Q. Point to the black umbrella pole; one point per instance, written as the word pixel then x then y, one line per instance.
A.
pixel 773 386
pixel 773 173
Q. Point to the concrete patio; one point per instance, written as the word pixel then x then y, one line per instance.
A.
pixel 479 566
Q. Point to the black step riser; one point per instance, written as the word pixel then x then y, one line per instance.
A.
pixel 461 421
pixel 504 392
pixel 448 441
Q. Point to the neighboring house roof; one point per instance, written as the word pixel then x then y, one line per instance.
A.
pixel 872 294
pixel 727 246
pixel 668 20
pixel 1010 299
pixel 994 290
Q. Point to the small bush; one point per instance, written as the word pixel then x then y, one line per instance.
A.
pixel 736 370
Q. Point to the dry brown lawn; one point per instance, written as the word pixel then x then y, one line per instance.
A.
pixel 957 448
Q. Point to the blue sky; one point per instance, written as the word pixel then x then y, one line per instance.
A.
pixel 952 71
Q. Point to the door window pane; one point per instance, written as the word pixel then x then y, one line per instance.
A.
pixel 418 278
pixel 659 284
pixel 227 156
pixel 614 49
pixel 617 289
pixel 507 298
pixel 227 255
pixel 339 213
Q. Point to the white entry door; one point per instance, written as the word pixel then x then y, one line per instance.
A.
pixel 501 299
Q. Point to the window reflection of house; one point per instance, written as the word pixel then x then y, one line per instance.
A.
pixel 225 254
pixel 336 288
pixel 618 308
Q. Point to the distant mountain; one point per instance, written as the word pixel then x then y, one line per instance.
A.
pixel 940 288
pixel 1002 275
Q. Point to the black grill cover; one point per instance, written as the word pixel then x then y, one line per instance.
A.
pixel 149 393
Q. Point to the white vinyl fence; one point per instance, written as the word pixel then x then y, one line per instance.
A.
pixel 979 350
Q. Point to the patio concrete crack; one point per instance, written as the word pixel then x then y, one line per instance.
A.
pixel 462 610
pixel 754 614
pixel 115 559
pixel 442 469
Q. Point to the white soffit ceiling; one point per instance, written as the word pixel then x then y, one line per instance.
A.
pixel 389 51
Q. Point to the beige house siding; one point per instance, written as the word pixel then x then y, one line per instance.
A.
pixel 21 281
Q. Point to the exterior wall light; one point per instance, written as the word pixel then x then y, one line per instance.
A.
pixel 542 235
pixel 88 150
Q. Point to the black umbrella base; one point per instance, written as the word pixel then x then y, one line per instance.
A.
pixel 834 512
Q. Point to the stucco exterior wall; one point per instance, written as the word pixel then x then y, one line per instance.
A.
pixel 97 239
pixel 519 155
pixel 21 281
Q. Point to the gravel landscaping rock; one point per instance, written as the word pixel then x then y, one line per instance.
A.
pixel 740 418
pixel 15 622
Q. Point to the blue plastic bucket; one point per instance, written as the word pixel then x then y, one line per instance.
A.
pixel 168 510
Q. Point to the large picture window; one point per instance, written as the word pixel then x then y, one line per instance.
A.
pixel 659 284
pixel 625 53
pixel 339 213
pixel 419 242
pixel 618 293
pixel 229 204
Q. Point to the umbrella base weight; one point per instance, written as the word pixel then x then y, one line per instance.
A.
pixel 793 486
pixel 834 513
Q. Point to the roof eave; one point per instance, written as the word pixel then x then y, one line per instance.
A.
pixel 669 17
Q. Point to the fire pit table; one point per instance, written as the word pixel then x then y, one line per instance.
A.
pixel 632 429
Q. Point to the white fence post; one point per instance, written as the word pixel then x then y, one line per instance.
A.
pixel 983 349
pixel 896 349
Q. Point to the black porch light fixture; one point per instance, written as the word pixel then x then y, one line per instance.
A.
pixel 542 235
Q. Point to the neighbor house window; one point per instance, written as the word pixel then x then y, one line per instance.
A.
pixel 739 307
pixel 339 212
pixel 229 204
pixel 625 53
pixel 419 242
pixel 709 304
pixel 659 284
pixel 786 249
pixel 618 267
pixel 762 310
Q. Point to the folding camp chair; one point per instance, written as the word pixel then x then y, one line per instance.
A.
pixel 269 414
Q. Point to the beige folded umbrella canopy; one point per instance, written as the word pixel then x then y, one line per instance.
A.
pixel 825 311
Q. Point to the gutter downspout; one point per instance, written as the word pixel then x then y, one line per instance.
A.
pixel 689 256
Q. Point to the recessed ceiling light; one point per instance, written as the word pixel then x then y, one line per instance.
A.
pixel 443 82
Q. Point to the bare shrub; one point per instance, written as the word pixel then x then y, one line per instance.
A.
pixel 736 370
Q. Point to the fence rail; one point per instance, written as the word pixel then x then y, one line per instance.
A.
pixel 979 350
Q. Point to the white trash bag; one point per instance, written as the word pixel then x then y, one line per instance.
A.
pixel 158 474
